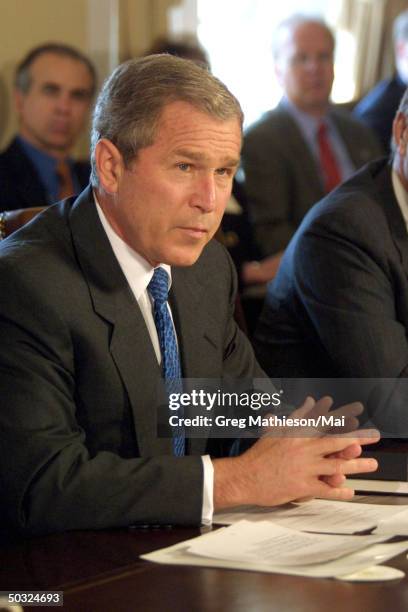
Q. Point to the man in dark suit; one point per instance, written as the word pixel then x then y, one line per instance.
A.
pixel 339 304
pixel 54 86
pixel 377 109
pixel 298 152
pixel 86 338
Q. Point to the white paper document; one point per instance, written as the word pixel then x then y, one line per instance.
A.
pixel 394 525
pixel 266 542
pixel 317 515
pixel 372 555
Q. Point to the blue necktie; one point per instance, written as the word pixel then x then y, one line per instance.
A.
pixel 159 289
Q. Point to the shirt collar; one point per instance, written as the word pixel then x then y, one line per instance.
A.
pixel 308 123
pixel 401 195
pixel 137 270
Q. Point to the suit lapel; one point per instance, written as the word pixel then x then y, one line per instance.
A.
pixel 195 333
pixel 25 180
pixel 359 151
pixel 130 344
pixel 299 149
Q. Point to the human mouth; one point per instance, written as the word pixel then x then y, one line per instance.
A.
pixel 60 128
pixel 195 231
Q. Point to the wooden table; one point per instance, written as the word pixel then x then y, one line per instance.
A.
pixel 102 571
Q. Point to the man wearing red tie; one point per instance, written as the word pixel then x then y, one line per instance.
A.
pixel 305 147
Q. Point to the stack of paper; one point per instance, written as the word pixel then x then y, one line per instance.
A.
pixel 297 539
pixel 264 546
pixel 322 516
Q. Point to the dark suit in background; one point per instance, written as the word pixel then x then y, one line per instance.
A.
pixel 80 382
pixel 339 304
pixel 377 109
pixel 20 185
pixel 282 177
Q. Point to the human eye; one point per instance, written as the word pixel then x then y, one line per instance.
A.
pixel 325 58
pixel 228 172
pixel 50 89
pixel 80 95
pixel 299 59
pixel 184 166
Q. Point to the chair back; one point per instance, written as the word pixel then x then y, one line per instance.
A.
pixel 12 220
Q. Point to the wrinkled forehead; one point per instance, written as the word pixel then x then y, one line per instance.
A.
pixel 180 112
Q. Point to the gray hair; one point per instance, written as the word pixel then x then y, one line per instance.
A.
pixel 290 24
pixel 22 79
pixel 402 108
pixel 400 27
pixel 132 99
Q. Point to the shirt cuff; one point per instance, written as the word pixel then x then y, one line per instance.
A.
pixel 208 491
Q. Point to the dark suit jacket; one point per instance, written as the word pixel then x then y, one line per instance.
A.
pixel 377 109
pixel 20 186
pixel 339 304
pixel 80 382
pixel 281 175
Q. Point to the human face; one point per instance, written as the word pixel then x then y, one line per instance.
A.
pixel 54 109
pixel 305 67
pixel 169 203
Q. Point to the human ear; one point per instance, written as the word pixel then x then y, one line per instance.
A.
pixel 400 133
pixel 109 165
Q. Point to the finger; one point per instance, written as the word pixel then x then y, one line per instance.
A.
pixel 305 408
pixel 335 493
pixel 366 436
pixel 322 406
pixel 337 480
pixel 352 409
pixel 329 467
pixel 351 452
pixel 328 444
pixel 340 420
pixel 349 424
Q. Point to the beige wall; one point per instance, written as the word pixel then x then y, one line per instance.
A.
pixel 141 22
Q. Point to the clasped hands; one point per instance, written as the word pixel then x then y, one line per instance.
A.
pixel 297 463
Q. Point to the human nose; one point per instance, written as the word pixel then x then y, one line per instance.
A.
pixel 313 64
pixel 64 104
pixel 205 193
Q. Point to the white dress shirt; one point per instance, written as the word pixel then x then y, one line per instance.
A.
pixel 138 273
pixel 308 125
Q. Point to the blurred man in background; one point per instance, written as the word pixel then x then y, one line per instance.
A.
pixel 54 86
pixel 302 149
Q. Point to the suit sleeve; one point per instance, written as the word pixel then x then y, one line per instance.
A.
pixel 349 289
pixel 50 479
pixel 268 185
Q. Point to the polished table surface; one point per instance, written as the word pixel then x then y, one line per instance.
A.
pixel 102 571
